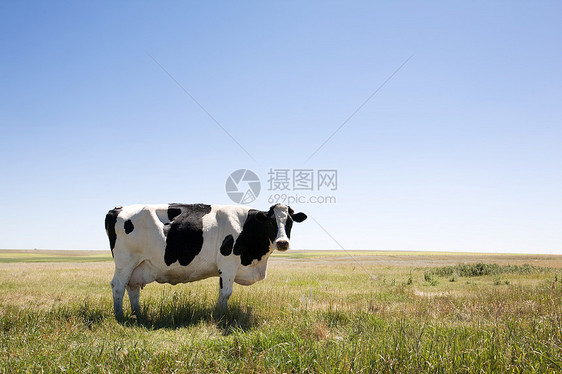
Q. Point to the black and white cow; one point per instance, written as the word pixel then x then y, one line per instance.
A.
pixel 179 243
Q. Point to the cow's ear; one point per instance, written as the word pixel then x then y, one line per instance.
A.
pixel 299 217
pixel 261 216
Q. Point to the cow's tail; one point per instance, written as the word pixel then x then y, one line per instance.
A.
pixel 110 221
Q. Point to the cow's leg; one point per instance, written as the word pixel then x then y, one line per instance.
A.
pixel 134 294
pixel 224 294
pixel 228 266
pixel 225 290
pixel 118 292
pixel 118 284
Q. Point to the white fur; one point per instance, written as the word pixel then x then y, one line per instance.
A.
pixel 281 213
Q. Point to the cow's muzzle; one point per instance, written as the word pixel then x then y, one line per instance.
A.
pixel 282 245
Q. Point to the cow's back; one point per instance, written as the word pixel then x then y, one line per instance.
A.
pixel 171 242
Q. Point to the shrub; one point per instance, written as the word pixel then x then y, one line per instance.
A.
pixel 480 269
pixel 428 277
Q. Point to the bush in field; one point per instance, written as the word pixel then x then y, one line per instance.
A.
pixel 480 269
pixel 428 277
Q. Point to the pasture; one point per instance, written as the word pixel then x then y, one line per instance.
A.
pixel 315 312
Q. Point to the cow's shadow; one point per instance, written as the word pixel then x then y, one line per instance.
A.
pixel 226 320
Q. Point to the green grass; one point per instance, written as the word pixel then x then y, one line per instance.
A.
pixel 53 256
pixel 480 269
pixel 30 259
pixel 305 317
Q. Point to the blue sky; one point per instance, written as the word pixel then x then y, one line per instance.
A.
pixel 459 150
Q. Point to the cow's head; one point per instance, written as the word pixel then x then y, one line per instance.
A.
pixel 281 218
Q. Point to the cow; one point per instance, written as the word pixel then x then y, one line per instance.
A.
pixel 180 243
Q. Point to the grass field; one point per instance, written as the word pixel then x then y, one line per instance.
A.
pixel 315 312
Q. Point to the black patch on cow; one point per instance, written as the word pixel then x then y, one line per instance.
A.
pixel 220 282
pixel 110 221
pixel 184 235
pixel 288 227
pixel 129 226
pixel 259 230
pixel 174 210
pixel 226 246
